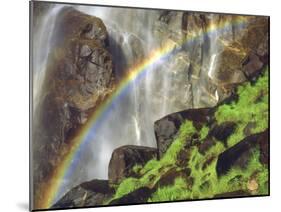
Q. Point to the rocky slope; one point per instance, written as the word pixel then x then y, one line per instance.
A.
pixel 201 153
pixel 215 152
pixel 79 76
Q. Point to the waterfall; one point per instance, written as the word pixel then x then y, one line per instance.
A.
pixel 131 121
pixel 42 43
pixel 164 89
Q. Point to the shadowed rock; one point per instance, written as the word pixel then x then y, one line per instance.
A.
pixel 90 193
pixel 239 154
pixel 124 158
pixel 223 131
pixel 239 193
pixel 137 196
pixel 206 145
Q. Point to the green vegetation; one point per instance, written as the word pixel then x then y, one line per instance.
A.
pixel 186 131
pixel 178 191
pixel 203 132
pixel 153 170
pixel 252 106
pixel 203 182
pixel 206 184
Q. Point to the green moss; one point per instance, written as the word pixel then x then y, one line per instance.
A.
pixel 252 106
pixel 186 131
pixel 127 185
pixel 206 183
pixel 203 132
pixel 136 169
pixel 178 191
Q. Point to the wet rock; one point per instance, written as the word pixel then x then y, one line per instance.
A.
pixel 239 154
pixel 124 158
pixel 78 76
pixel 92 193
pixel 80 67
pixel 165 131
pixel 229 66
pixel 223 131
pixel 137 196
pixel 253 66
pixel 232 48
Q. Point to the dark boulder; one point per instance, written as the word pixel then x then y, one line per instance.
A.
pixel 124 158
pixel 169 177
pixel 206 145
pixel 239 154
pixel 223 131
pixel 137 196
pixel 165 131
pixel 167 128
pixel 90 193
pixel 198 116
pixel 264 148
pixel 232 194
pixel 183 158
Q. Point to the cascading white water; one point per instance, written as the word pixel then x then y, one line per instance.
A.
pixel 42 42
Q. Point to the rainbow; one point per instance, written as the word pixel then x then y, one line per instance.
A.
pixel 68 163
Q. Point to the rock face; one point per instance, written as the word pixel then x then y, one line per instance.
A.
pixel 79 75
pixel 81 63
pixel 239 54
pixel 124 158
pixel 239 154
pixel 90 193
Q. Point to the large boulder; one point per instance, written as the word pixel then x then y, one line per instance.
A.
pixel 92 193
pixel 239 154
pixel 124 158
pixel 78 76
pixel 167 128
